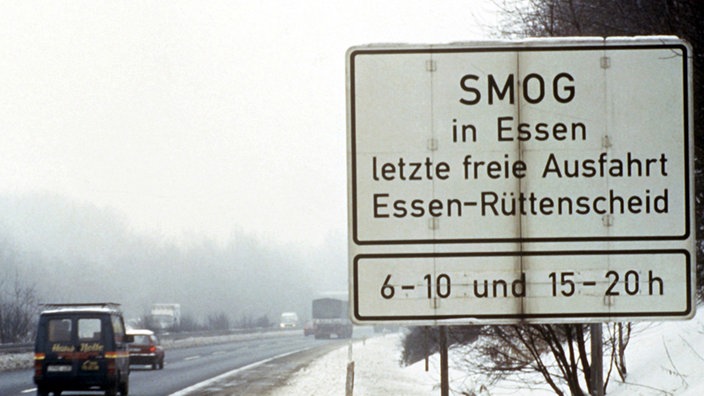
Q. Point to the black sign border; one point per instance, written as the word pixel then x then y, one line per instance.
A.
pixel 538 48
pixel 609 316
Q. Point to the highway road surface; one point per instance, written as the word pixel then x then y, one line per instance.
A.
pixel 186 368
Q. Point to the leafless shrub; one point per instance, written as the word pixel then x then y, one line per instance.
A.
pixel 18 311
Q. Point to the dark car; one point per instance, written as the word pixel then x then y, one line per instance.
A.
pixel 145 349
pixel 81 347
pixel 308 328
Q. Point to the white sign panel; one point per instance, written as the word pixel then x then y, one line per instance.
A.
pixel 534 146
pixel 535 285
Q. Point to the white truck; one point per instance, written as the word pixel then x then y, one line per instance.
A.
pixel 165 317
pixel 289 320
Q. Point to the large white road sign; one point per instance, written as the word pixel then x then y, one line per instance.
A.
pixel 550 164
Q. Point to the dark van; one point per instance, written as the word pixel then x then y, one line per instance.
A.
pixel 81 347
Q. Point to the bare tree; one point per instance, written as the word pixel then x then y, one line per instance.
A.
pixel 516 352
pixel 18 311
pixel 618 341
pixel 557 352
pixel 218 321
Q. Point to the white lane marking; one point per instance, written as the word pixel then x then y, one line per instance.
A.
pixel 210 381
pixel 194 357
pixel 29 390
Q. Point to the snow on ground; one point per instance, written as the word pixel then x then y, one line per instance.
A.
pixel 14 361
pixel 666 358
pixel 662 358
pixel 377 372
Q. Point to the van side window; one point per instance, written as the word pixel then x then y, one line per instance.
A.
pixel 89 329
pixel 60 330
pixel 118 329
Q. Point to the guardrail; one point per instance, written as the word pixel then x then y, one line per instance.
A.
pixel 29 347
pixel 16 348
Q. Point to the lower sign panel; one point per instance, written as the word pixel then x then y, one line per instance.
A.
pixel 530 286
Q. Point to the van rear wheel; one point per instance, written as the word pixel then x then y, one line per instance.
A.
pixel 125 387
pixel 112 390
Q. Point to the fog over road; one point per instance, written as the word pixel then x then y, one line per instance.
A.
pixel 189 366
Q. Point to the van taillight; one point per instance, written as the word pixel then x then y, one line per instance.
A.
pixel 110 361
pixel 111 367
pixel 38 363
pixel 152 349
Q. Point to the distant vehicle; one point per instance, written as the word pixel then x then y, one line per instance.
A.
pixel 385 328
pixel 308 328
pixel 289 320
pixel 146 348
pixel 81 347
pixel 330 317
pixel 165 317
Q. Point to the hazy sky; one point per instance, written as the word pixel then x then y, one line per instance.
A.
pixel 195 118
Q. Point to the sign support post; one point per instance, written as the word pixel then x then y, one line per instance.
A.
pixel 444 366
pixel 597 369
